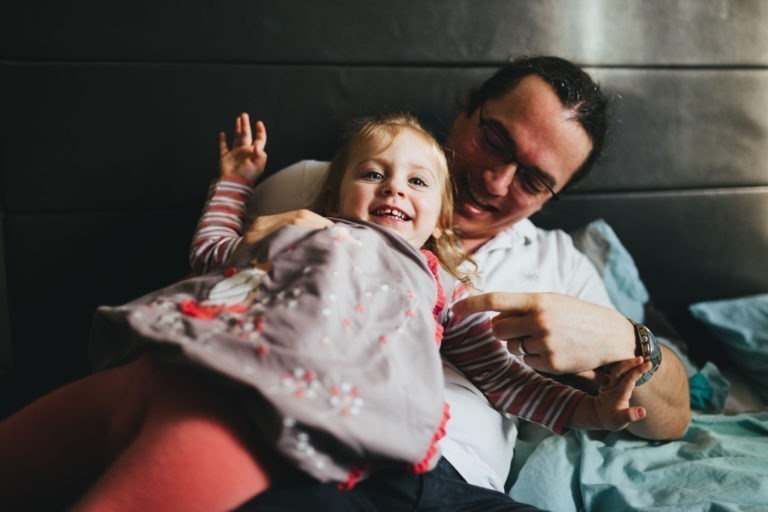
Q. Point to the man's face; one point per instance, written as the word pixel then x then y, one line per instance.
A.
pixel 541 136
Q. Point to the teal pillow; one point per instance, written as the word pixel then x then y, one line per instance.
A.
pixel 599 243
pixel 742 326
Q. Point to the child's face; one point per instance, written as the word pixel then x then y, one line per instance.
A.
pixel 398 186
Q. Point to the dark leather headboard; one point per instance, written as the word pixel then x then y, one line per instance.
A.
pixel 109 114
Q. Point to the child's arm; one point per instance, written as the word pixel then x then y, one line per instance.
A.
pixel 220 227
pixel 511 387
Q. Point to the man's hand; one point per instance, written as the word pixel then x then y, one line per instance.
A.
pixel 556 333
pixel 247 158
pixel 562 334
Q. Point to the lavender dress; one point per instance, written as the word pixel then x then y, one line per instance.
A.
pixel 329 336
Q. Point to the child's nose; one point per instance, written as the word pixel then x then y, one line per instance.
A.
pixel 394 188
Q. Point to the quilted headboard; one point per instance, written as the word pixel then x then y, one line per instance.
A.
pixel 109 114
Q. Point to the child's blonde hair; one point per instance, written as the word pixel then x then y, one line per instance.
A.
pixel 383 129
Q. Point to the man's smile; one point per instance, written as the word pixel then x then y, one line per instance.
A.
pixel 470 196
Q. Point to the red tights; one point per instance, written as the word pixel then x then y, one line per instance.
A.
pixel 144 436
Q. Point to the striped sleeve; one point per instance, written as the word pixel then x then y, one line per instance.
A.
pixel 220 228
pixel 510 386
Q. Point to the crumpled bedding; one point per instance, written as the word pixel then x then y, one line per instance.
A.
pixel 720 464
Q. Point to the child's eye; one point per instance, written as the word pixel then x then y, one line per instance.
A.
pixel 418 182
pixel 372 175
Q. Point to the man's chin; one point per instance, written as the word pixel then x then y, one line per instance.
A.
pixel 469 225
pixel 477 224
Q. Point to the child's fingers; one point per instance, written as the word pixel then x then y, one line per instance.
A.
pixel 626 416
pixel 246 127
pixel 260 141
pixel 242 132
pixel 622 367
pixel 621 389
pixel 223 148
pixel 636 413
pixel 626 384
pixel 638 371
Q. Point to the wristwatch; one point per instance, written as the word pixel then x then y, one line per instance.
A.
pixel 648 347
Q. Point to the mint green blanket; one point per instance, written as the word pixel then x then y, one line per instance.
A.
pixel 720 464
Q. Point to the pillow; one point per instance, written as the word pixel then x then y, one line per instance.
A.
pixel 741 325
pixel 599 243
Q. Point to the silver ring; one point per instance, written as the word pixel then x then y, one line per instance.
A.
pixel 522 348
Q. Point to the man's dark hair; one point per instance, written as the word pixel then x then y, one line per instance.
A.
pixel 575 88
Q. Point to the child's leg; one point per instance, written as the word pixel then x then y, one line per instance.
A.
pixel 188 454
pixel 60 443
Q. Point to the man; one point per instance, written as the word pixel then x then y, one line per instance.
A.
pixel 525 135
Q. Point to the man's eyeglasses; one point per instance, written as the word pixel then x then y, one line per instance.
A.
pixel 495 145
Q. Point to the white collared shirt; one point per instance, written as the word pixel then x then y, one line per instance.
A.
pixel 480 440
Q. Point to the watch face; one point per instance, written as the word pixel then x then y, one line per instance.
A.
pixel 644 338
pixel 650 349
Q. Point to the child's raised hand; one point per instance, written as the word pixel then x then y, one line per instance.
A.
pixel 611 405
pixel 247 158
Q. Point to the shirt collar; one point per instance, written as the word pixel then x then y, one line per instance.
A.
pixel 522 233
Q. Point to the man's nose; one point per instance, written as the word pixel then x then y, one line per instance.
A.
pixel 498 179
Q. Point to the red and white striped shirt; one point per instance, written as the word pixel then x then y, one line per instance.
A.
pixel 220 228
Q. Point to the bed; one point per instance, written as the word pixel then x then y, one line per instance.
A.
pixel 721 463
pixel 109 115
